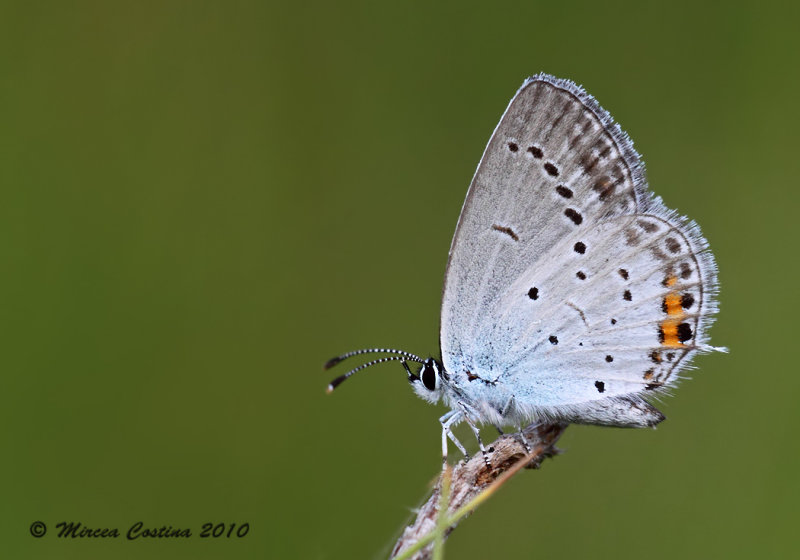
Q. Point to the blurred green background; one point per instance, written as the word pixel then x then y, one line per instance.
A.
pixel 202 202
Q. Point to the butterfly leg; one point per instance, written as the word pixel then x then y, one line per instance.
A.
pixel 448 421
pixel 475 431
pixel 520 433
pixel 524 440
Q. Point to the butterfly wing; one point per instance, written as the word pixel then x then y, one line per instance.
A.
pixel 568 283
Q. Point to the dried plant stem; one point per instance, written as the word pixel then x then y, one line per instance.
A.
pixel 470 484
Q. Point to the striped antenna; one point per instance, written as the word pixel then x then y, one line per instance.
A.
pixel 339 380
pixel 333 361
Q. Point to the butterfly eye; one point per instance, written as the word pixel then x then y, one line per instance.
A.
pixel 428 375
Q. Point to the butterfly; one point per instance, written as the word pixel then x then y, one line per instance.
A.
pixel 572 293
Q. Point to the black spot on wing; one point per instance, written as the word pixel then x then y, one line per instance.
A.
pixel 533 293
pixel 536 152
pixel 626 295
pixel 564 191
pixel 685 332
pixel 580 247
pixel 574 215
pixel 601 387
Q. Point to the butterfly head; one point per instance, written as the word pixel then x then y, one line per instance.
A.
pixel 430 380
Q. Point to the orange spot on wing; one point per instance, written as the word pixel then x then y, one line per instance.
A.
pixel 669 330
pixel 672 306
pixel 672 302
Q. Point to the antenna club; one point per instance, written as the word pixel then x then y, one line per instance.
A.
pixel 332 362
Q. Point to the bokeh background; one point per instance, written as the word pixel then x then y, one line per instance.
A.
pixel 203 201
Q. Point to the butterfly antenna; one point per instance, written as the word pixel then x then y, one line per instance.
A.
pixel 336 382
pixel 333 361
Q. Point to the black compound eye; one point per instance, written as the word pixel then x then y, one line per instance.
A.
pixel 428 375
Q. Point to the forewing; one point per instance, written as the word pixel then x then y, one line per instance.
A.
pixel 550 167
